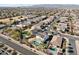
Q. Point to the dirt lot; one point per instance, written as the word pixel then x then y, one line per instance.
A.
pixel 7 20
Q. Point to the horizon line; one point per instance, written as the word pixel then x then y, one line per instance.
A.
pixel 19 5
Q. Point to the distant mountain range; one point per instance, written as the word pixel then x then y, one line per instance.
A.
pixel 41 5
pixel 56 6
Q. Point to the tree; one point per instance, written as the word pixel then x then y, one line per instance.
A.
pixel 63 50
pixel 21 35
pixel 70 19
pixel 14 52
pixel 11 19
pixel 1 22
pixel 55 28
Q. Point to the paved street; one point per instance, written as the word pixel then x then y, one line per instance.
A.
pixel 70 37
pixel 17 47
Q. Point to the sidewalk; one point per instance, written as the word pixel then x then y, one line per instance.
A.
pixel 23 45
pixel 77 46
pixel 67 46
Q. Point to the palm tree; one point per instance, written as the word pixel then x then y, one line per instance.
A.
pixel 20 35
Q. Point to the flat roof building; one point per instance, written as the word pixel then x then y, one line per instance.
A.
pixel 56 40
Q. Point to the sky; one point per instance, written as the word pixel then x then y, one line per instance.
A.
pixel 34 2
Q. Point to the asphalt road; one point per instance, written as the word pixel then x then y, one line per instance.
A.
pixel 70 37
pixel 17 47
